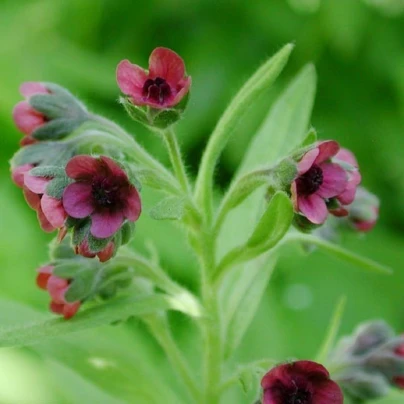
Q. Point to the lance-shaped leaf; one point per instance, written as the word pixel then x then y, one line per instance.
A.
pixel 171 208
pixel 103 314
pixel 249 94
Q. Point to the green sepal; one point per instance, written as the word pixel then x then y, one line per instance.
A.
pixel 61 250
pixel 303 224
pixel 96 245
pixel 80 231
pixel 310 138
pixel 58 129
pixel 68 269
pixel 170 208
pixel 82 286
pixel 138 114
pixel 165 118
pixel 127 231
pixel 57 186
pixel 47 171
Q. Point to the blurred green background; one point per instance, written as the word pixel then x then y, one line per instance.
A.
pixel 358 50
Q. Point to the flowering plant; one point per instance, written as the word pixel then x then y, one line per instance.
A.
pixel 84 176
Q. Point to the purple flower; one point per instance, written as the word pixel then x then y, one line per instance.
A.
pixel 319 179
pixel 163 86
pixel 101 191
pixel 301 382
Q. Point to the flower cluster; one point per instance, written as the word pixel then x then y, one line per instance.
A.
pixel 57 289
pixel 326 182
pixel 302 382
pixel 371 361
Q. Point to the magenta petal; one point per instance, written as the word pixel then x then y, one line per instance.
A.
pixel 33 199
pixel 36 184
pixel 77 200
pixel 133 206
pixel 335 180
pixel 43 221
pixel 26 118
pixel 82 167
pixel 314 208
pixel 17 174
pixel 30 88
pixel 105 224
pixel 180 95
pixel 307 161
pixel 347 156
pixel 113 167
pixel 328 393
pixel 327 149
pixel 167 64
pixel 53 211
pixel 130 78
pixel 57 288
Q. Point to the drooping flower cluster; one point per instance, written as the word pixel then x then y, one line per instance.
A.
pixel 57 289
pixel 371 361
pixel 326 182
pixel 302 382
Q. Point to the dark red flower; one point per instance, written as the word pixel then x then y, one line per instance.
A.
pixel 25 117
pixel 50 211
pixel 57 288
pixel 319 179
pixel 163 86
pixel 101 191
pixel 301 382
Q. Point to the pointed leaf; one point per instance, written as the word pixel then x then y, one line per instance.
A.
pixel 171 208
pixel 103 314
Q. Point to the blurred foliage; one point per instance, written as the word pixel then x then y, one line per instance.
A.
pixel 358 50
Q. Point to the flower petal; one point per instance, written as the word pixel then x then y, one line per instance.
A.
pixel 347 156
pixel 327 149
pixel 17 174
pixel 82 167
pixel 307 161
pixel 36 184
pixel 105 223
pixel 130 78
pixel 166 64
pixel 348 195
pixel 31 88
pixel 113 167
pixel 53 211
pixel 327 392
pixel 70 309
pixel 335 180
pixel 43 276
pixel 26 118
pixel 313 207
pixel 181 93
pixel 43 221
pixel 77 200
pixel 33 199
pixel 133 206
pixel 57 288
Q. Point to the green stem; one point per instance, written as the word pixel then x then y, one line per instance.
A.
pixel 173 148
pixel 161 331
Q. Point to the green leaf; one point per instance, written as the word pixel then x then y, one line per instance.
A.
pixel 68 268
pixel 246 98
pixel 341 253
pixel 274 223
pixel 171 208
pixel 83 285
pixel 285 127
pixel 97 244
pixel 332 332
pixel 243 294
pixel 127 231
pixel 57 129
pixel 310 138
pixel 153 179
pixel 103 314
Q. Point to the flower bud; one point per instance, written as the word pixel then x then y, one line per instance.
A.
pixel 49 112
pixel 302 382
pixel 364 211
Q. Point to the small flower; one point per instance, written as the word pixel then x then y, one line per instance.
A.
pixel 26 118
pixel 399 380
pixel 101 191
pixel 364 211
pixel 163 86
pixel 103 255
pixel 57 288
pixel 319 180
pixel 50 211
pixel 302 382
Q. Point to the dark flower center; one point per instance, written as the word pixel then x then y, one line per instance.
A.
pixel 299 397
pixel 157 90
pixel 310 181
pixel 105 193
